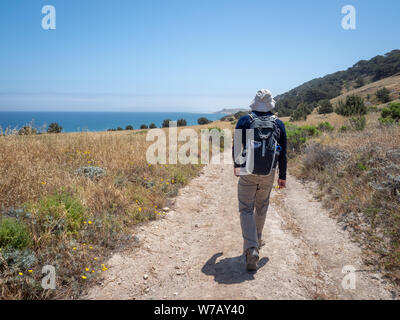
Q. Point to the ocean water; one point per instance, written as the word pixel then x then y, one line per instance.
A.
pixel 96 121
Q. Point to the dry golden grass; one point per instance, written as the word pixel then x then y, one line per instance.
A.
pixel 35 168
pixel 355 189
pixel 315 119
pixel 391 83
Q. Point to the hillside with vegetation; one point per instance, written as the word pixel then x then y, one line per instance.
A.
pixel 309 94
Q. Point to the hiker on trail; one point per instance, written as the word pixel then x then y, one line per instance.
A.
pixel 259 147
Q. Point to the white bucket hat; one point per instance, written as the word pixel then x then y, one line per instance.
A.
pixel 263 102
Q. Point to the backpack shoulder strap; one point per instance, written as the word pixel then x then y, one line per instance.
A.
pixel 252 116
pixel 274 117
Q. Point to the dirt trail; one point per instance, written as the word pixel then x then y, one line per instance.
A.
pixel 195 251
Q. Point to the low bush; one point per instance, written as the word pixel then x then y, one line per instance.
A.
pixel 354 105
pixel 325 107
pixel 383 95
pixel 13 234
pixel 181 123
pixel 165 123
pixel 54 128
pixel 391 113
pixel 325 127
pixel 319 157
pixel 203 120
pixel 297 136
pixel 56 215
pixel 358 123
pixel 301 112
pixel 27 130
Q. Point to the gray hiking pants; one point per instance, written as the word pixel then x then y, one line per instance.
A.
pixel 253 193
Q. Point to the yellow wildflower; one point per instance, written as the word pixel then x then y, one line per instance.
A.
pixel 20 273
pixel 84 277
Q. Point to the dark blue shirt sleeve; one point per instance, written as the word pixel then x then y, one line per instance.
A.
pixel 282 160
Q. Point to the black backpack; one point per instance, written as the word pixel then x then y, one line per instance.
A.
pixel 262 149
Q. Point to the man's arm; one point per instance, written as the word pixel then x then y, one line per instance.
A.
pixel 282 161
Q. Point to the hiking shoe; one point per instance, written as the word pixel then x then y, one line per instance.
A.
pixel 252 258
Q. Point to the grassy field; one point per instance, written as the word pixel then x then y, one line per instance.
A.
pixel 54 214
pixel 357 175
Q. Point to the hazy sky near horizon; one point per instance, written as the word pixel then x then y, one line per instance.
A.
pixel 178 55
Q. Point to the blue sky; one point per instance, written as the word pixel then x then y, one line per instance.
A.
pixel 178 55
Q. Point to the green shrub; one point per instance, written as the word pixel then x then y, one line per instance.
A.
pixel 14 234
pixel 181 123
pixel 310 130
pixel 54 128
pixel 129 127
pixel 391 113
pixel 383 95
pixel 144 126
pixel 344 128
pixel 358 123
pixel 58 213
pixel 354 105
pixel 165 123
pixel 204 120
pixel 301 112
pixel 387 121
pixel 297 136
pixel 295 139
pixel 325 107
pixel 325 126
pixel 152 126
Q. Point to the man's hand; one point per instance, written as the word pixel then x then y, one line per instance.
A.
pixel 236 172
pixel 281 184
